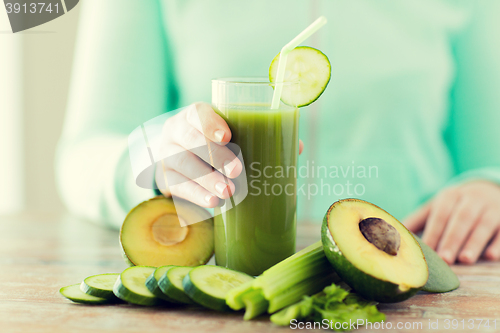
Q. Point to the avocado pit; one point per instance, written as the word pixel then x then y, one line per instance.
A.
pixel 381 234
pixel 167 230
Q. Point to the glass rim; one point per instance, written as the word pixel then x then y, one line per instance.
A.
pixel 250 80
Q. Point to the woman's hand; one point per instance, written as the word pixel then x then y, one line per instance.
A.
pixel 460 221
pixel 195 141
pixel 187 139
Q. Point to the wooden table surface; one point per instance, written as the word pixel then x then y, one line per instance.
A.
pixel 39 253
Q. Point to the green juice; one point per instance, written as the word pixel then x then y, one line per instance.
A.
pixel 260 231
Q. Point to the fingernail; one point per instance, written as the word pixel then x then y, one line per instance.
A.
pixel 466 256
pixel 219 135
pixel 491 255
pixel 220 187
pixel 209 197
pixel 229 166
pixel 446 256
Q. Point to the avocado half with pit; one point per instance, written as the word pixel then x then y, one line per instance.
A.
pixel 373 252
pixel 158 233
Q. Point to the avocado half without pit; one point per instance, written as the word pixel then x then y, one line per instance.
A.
pixel 158 233
pixel 373 252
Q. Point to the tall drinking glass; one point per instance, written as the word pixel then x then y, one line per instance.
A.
pixel 259 231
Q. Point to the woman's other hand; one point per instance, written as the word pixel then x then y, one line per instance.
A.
pixel 460 221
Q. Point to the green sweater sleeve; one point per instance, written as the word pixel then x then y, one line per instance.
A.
pixel 475 102
pixel 119 80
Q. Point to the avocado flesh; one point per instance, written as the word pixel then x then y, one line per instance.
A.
pixel 373 273
pixel 152 235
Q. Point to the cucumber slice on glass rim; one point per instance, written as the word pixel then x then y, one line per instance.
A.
pixel 208 285
pixel 310 67
pixel 74 294
pixel 131 286
pixel 100 285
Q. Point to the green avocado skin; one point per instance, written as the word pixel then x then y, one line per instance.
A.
pixel 364 284
pixel 441 278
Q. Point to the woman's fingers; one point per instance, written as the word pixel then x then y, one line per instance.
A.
pixel 493 250
pixel 186 163
pixel 301 146
pixel 185 134
pixel 465 214
pixel 212 127
pixel 416 221
pixel 485 229
pixel 202 117
pixel 441 210
pixel 188 189
pixel 460 221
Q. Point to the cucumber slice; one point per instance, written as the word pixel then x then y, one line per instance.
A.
pixel 171 284
pixel 100 285
pixel 311 68
pixel 208 285
pixel 131 286
pixel 152 283
pixel 74 294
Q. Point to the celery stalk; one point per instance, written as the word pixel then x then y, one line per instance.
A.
pixel 309 259
pixel 309 286
pixel 302 259
pixel 255 304
pixel 234 298
pixel 286 315
pixel 295 259
pixel 303 265
pixel 304 273
pixel 316 267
